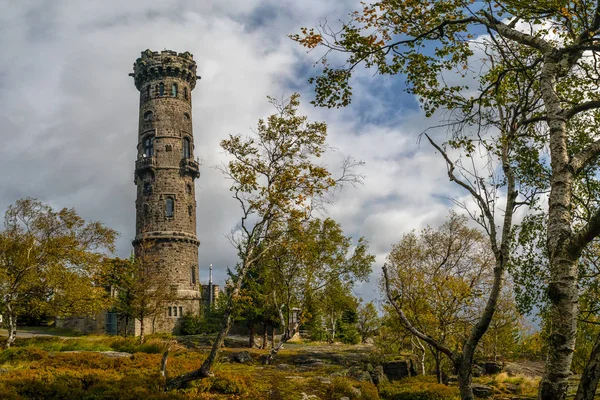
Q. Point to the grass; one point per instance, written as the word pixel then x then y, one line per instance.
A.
pixel 49 368
pixel 506 385
pixel 92 343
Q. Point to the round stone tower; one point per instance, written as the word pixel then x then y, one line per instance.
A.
pixel 165 171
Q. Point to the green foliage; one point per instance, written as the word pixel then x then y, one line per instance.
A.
pixel 347 332
pixel 225 384
pixel 440 277
pixel 417 388
pixel 368 322
pixel 51 262
pixel 88 343
pixel 141 284
pixel 191 325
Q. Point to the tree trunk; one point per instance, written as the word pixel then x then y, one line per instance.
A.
pixel 562 290
pixel 12 327
pixel 205 369
pixel 142 329
pixel 126 326
pixel 251 336
pixel 272 336
pixel 591 375
pixel 438 366
pixel 422 349
pixel 495 350
pixel 465 377
pixel 265 336
pixel 284 338
pixel 332 330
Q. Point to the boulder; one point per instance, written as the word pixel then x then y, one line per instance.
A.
pixel 477 370
pixel 377 375
pixel 492 368
pixel 243 357
pixel 482 391
pixel 396 370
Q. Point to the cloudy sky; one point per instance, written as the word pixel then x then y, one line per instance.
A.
pixel 69 112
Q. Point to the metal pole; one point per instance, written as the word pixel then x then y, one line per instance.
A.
pixel 210 288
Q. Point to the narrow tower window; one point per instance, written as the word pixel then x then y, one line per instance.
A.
pixel 185 93
pixel 190 210
pixel 193 275
pixel 147 188
pixel 174 90
pixel 186 148
pixel 148 115
pixel 156 90
pixel 146 210
pixel 161 89
pixel 170 207
pixel 149 146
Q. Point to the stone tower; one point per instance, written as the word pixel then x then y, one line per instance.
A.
pixel 165 171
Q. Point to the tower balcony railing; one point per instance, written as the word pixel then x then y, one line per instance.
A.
pixel 145 162
pixel 142 164
pixel 190 166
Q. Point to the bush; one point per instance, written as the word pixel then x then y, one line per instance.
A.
pixel 222 384
pixel 418 388
pixel 349 335
pixel 191 325
pixel 344 387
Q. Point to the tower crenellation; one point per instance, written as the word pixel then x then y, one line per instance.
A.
pixel 165 172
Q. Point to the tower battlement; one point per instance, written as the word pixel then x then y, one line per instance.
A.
pixel 153 65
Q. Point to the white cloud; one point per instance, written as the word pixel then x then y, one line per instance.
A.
pixel 69 113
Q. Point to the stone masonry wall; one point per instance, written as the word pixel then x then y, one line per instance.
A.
pixel 166 172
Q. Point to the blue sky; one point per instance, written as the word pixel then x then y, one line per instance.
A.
pixel 69 113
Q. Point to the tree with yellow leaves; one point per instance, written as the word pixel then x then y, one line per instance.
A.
pixel 51 261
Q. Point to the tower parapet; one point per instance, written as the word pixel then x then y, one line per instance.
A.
pixel 154 65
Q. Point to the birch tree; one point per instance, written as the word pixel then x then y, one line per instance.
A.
pixel 275 177
pixel 554 46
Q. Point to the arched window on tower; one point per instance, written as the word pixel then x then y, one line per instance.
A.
pixel 148 146
pixel 185 93
pixel 187 148
pixel 170 207
pixel 194 272
pixel 161 89
pixel 174 90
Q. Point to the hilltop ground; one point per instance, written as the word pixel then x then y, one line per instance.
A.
pixel 48 364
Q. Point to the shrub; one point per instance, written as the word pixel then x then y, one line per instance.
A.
pixel 191 325
pixel 344 387
pixel 223 384
pixel 418 388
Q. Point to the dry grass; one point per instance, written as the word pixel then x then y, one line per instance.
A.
pixel 506 385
